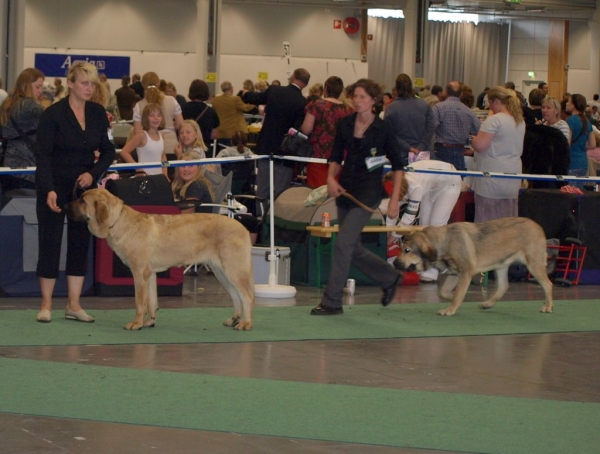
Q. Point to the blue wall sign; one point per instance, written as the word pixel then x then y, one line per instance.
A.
pixel 57 65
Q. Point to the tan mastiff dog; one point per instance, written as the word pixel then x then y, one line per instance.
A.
pixel 150 243
pixel 465 249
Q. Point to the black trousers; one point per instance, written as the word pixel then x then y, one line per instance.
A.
pixel 50 231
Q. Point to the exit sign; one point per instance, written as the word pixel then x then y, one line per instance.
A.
pixel 514 2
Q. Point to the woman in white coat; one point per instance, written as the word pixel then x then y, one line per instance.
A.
pixel 430 195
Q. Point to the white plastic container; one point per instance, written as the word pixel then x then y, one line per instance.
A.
pixel 261 265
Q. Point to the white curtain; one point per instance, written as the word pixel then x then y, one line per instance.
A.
pixel 473 54
pixel 486 55
pixel 445 46
pixel 385 52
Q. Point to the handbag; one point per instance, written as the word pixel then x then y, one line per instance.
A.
pixel 201 114
pixel 296 146
pixel 148 190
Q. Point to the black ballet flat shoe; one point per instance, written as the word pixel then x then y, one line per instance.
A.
pixel 322 309
pixel 389 292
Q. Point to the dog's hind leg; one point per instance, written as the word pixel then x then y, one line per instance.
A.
pixel 502 282
pixel 150 320
pixel 464 279
pixel 238 287
pixel 538 271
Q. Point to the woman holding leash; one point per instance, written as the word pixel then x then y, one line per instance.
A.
pixel 69 133
pixel 363 141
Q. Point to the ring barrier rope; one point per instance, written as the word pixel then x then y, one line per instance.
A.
pixel 409 168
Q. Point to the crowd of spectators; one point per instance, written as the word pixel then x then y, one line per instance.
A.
pixel 65 133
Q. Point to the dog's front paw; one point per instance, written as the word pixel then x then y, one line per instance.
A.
pixel 487 305
pixel 133 326
pixel 233 321
pixel 243 326
pixel 546 309
pixel 150 323
pixel 447 311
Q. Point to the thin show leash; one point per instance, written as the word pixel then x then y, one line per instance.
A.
pixel 354 199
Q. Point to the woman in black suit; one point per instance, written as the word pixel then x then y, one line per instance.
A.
pixel 69 133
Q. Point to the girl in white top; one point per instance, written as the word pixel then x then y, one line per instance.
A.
pixel 148 142
pixel 171 110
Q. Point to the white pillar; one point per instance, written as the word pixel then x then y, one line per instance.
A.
pixel 410 38
pixel 202 25
pixel 12 41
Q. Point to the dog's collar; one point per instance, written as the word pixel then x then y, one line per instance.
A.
pixel 116 220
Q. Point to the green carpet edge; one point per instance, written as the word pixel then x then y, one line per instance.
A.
pixel 415 419
pixel 292 323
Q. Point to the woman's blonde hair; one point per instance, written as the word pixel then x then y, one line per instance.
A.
pixel 261 85
pixel 180 186
pixel 100 95
pixel 316 89
pixel 148 109
pixel 22 89
pixel 554 103
pixel 199 143
pixel 389 176
pixel 510 99
pixel 152 93
pixel 86 69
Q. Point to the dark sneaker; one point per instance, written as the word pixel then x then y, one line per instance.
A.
pixel 322 309
pixel 389 292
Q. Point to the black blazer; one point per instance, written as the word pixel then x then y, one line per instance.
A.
pixel 284 109
pixel 64 150
pixel 545 152
pixel 378 140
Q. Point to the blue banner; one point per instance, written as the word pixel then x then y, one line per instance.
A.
pixel 57 65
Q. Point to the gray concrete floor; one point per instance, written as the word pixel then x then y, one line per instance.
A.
pixel 547 366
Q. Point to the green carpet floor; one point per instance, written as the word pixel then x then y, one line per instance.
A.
pixel 354 414
pixel 19 328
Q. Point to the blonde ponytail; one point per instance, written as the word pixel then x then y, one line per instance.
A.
pixel 510 99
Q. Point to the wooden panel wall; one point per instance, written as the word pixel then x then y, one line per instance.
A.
pixel 558 58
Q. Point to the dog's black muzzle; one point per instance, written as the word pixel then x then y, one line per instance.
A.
pixel 73 212
pixel 400 266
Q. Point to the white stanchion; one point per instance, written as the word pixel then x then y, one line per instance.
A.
pixel 273 289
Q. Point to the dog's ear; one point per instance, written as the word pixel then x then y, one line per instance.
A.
pixel 101 227
pixel 426 248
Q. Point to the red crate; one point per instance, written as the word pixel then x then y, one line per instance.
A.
pixel 569 263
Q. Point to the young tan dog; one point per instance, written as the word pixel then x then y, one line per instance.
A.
pixel 466 248
pixel 150 243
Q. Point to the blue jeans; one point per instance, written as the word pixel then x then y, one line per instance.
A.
pixel 578 173
pixel 452 156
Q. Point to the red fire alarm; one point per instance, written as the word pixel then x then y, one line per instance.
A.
pixel 351 25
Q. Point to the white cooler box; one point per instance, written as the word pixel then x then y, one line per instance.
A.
pixel 262 266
